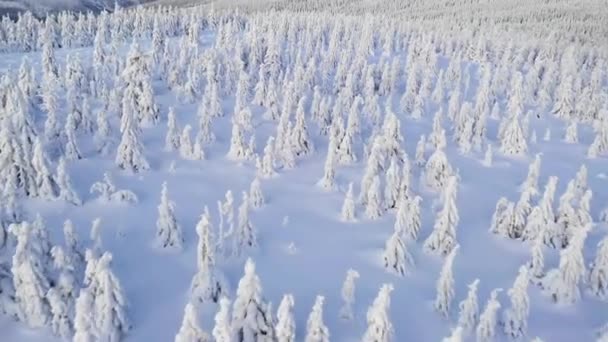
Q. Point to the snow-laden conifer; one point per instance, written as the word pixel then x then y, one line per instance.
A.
pixel 379 325
pixel 348 295
pixel 168 230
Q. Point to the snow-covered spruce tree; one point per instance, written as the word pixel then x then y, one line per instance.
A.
pixel 191 331
pixel 300 140
pixel 348 213
pixel 266 168
pixel 513 141
pixel 515 318
pixel 84 324
pixel 531 182
pixel 562 283
pixel 109 309
pixel 571 136
pixel 598 271
pixel 396 257
pixel 443 238
pixel 256 196
pixel 129 155
pixel 329 170
pixel 73 250
pixel 172 139
pixel 66 192
pixel 437 169
pixel 168 230
pixel 316 331
pixel 551 233
pixel 420 150
pixel 207 284
pixel 537 260
pixel 445 285
pixel 391 187
pixel 469 308
pixel 71 150
pixel 486 329
pixel 138 91
pixel 103 135
pixel 45 182
pixel 348 295
pixel 245 234
pixel 250 320
pixel 221 330
pixel 379 326
pixel 285 328
pixel 373 207
pixel 29 278
pixel 187 149
pixel 407 222
pixel 238 149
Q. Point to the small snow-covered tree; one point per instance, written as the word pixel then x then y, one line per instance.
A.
pixel 238 149
pixel 391 188
pixel 571 133
pixel 537 260
pixel 513 141
pixel 71 150
pixel 515 318
pixel 66 192
pixel 130 155
pixel 221 331
pixel 379 326
pixel 245 234
pixel 250 320
pixel 172 139
pixel 190 331
pixel 103 135
pixel 445 285
pixel 469 308
pixel 348 295
pixel 285 328
pixel 168 230
pixel 256 196
pixel 266 168
pixel 486 329
pixel 348 213
pixel 443 238
pixel 208 284
pixel 437 169
pixel 84 324
pixel 316 331
pixel 420 150
pixel 396 257
pixel 373 206
pixel 329 169
pixel 598 272
pixel 45 182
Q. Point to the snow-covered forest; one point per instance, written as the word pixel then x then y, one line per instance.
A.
pixel 305 171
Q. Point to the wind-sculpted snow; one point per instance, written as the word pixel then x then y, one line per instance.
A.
pixel 306 172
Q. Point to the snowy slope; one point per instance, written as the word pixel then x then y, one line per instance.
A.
pixel 305 249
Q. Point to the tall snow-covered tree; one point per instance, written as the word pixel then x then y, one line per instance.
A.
pixel 191 331
pixel 348 294
pixel 445 285
pixel 285 328
pixel 486 329
pixel 250 320
pixel 379 325
pixel 515 318
pixel 598 272
pixel 221 331
pixel 168 231
pixel 29 278
pixel 443 238
pixel 66 191
pixel 469 308
pixel 316 330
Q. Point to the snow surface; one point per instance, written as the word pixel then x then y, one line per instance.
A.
pixel 299 213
